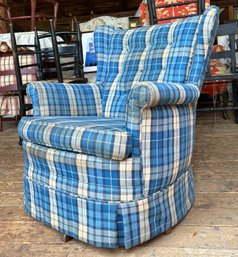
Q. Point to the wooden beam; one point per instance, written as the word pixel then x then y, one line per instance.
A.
pixel 225 3
pixel 83 18
pixel 119 14
pixel 123 5
pixel 222 9
pixel 88 4
pixel 231 12
pixel 3 24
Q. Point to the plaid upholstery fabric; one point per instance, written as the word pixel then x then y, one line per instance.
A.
pixel 97 136
pixel 158 95
pixel 84 175
pixel 7 64
pixel 150 94
pixel 9 102
pixel 149 217
pixel 173 134
pixel 63 203
pixel 169 60
pixel 6 80
pixel 151 81
pixel 102 38
pixel 206 33
pixel 10 106
pixel 55 99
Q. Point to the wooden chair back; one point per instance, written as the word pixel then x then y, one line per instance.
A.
pixel 152 7
pixel 68 53
pixel 229 30
pixel 25 63
pixel 33 16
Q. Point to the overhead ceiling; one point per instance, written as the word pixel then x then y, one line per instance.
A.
pixel 83 9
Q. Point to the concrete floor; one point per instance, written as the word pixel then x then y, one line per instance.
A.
pixel 209 229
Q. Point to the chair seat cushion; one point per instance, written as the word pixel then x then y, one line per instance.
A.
pixel 98 136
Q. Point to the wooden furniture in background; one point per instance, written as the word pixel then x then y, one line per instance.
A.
pixel 9 91
pixel 228 9
pixel 210 80
pixel 3 23
pixel 33 16
pixel 30 68
pixel 6 90
pixel 68 54
pixel 229 30
pixel 184 9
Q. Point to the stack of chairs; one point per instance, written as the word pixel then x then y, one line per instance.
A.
pixel 34 62
pixel 11 83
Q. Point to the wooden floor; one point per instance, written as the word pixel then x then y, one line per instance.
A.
pixel 209 229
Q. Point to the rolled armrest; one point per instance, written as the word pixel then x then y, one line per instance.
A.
pixel 149 94
pixel 144 99
pixel 59 99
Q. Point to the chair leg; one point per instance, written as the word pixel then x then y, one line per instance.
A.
pixel 235 97
pixel 20 141
pixel 224 100
pixel 1 123
pixel 65 238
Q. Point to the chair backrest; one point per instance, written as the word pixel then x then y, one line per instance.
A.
pixel 33 12
pixel 236 40
pixel 173 52
pixel 26 67
pixel 68 53
pixel 162 11
pixel 228 30
pixel 32 16
pixel 45 57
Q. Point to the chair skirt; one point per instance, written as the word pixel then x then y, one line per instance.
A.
pixel 59 200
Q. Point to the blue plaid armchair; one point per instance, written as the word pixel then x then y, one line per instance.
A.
pixel 110 163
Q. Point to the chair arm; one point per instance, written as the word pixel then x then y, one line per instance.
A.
pixel 149 94
pixel 148 98
pixel 60 99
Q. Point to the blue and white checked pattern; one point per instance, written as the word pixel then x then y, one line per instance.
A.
pixel 161 98
pixel 57 99
pixel 160 53
pixel 206 33
pixel 102 39
pixel 148 84
pixel 173 133
pixel 101 223
pixel 162 114
pixel 84 175
pixel 150 94
pixel 98 136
